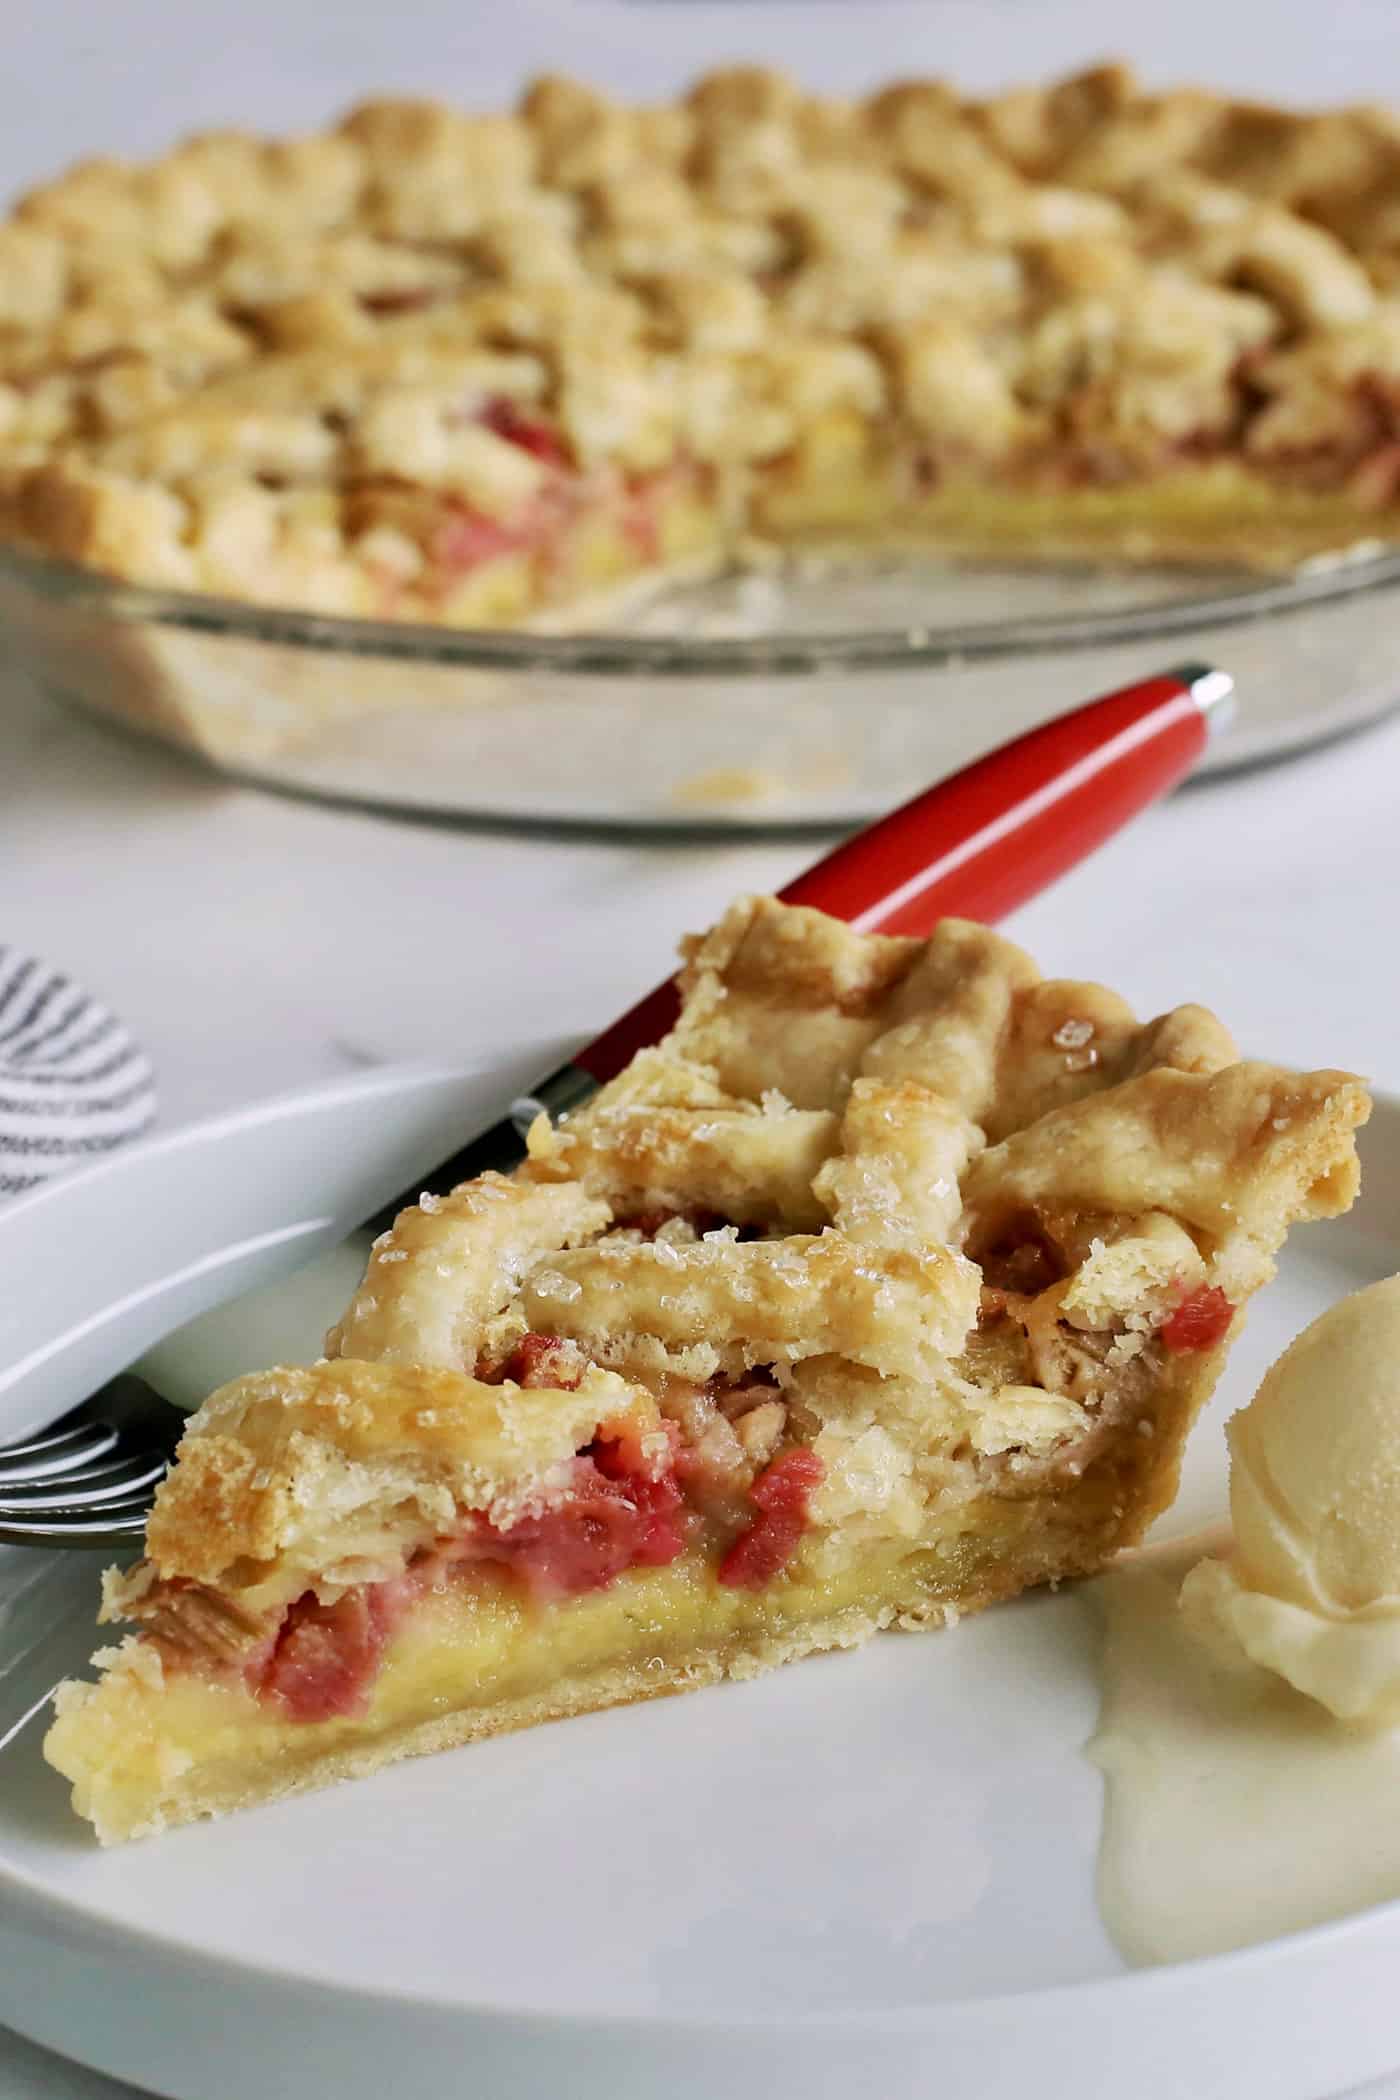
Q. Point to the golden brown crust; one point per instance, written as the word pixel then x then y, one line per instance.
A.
pixel 727 1156
pixel 272 368
pixel 451 1265
pixel 1234 1156
pixel 775 993
pixel 768 1302
pixel 289 1464
pixel 896 1169
pixel 785 1000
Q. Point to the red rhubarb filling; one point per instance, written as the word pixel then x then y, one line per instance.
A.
pixel 780 1497
pixel 617 1514
pixel 630 1500
pixel 542 528
pixel 509 421
pixel 467 539
pixel 1199 1322
pixel 327 1656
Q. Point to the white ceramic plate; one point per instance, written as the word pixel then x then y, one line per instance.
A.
pixel 869 1875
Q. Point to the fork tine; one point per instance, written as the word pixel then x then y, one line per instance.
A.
pixel 114 1524
pixel 90 1490
pixel 90 1478
pixel 124 1406
pixel 47 1456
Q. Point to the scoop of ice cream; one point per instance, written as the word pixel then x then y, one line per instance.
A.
pixel 1312 1589
pixel 1315 1461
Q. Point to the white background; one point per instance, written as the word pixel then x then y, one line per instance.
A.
pixel 256 944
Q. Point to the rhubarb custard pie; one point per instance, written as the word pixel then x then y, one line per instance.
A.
pixel 886 1286
pixel 478 369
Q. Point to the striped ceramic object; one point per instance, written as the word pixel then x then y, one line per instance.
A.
pixel 73 1083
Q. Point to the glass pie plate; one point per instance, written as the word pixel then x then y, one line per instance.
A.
pixel 813 693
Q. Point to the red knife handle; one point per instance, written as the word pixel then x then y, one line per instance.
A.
pixel 993 835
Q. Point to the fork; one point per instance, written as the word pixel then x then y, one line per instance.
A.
pixel 89 1480
pixel 985 839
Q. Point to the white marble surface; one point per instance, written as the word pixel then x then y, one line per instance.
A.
pixel 125 79
pixel 257 944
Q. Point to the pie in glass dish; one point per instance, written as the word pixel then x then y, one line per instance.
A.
pixel 886 1287
pixel 502 369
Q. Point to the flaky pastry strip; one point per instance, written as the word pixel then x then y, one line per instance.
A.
pixel 749 1167
pixel 1234 1155
pixel 778 997
pixel 903 1153
pixel 452 1264
pixel 735 1304
pixel 289 1465
pixel 975 1020
pixel 788 999
pixel 655 1078
pixel 951 1014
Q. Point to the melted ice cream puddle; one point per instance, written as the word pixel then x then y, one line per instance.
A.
pixel 1249 1733
pixel 1236 1808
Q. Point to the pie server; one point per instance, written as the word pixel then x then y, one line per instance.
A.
pixel 979 843
pixel 975 845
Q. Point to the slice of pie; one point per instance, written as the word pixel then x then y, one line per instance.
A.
pixel 888 1285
